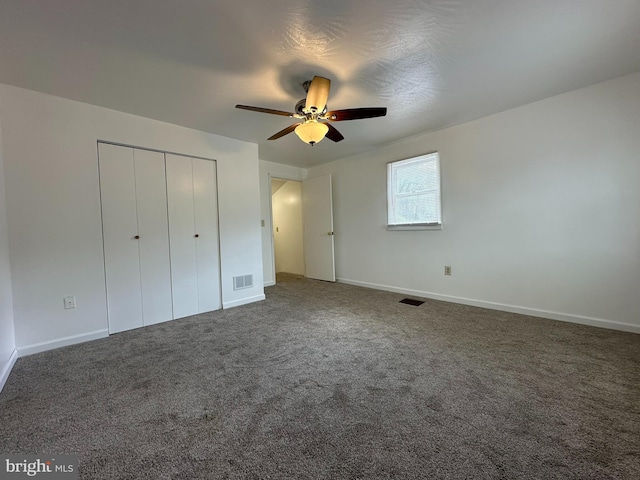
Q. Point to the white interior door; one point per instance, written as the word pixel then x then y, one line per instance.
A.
pixel 205 199
pixel 317 212
pixel 120 229
pixel 153 228
pixel 184 275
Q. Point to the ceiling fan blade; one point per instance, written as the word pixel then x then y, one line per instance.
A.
pixel 355 114
pixel 283 132
pixel 317 95
pixel 265 110
pixel 333 133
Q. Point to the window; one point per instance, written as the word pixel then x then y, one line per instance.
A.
pixel 413 193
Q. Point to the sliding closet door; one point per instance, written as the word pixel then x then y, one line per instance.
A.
pixel 184 273
pixel 120 229
pixel 153 229
pixel 205 200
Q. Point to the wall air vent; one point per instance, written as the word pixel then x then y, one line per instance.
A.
pixel 242 281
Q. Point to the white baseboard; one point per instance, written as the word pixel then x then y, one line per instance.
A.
pixel 243 301
pixel 270 283
pixel 6 369
pixel 563 317
pixel 61 342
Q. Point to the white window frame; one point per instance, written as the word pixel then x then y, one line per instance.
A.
pixel 391 194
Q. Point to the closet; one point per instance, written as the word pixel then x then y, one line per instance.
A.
pixel 160 230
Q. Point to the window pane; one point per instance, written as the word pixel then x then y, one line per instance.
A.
pixel 416 177
pixel 414 190
pixel 420 208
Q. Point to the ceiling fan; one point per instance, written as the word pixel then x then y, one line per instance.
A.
pixel 312 110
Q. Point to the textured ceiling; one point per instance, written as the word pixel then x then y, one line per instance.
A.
pixel 432 63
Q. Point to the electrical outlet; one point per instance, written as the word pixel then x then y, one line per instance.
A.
pixel 69 302
pixel 447 270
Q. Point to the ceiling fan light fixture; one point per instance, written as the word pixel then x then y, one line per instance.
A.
pixel 313 108
pixel 311 131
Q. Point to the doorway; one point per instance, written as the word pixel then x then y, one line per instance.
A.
pixel 286 211
pixel 301 237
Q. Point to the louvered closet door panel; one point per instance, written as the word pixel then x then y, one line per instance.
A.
pixel 119 220
pixel 182 241
pixel 205 199
pixel 153 228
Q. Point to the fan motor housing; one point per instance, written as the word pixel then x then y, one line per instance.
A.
pixel 300 106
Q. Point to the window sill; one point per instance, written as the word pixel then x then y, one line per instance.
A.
pixel 424 226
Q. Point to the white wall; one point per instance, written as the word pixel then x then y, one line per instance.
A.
pixel 7 339
pixel 286 205
pixel 53 208
pixel 541 211
pixel 270 170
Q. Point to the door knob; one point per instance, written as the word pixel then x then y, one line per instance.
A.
pixel 137 237
pixel 329 233
pixel 196 235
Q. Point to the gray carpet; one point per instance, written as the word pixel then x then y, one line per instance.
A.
pixel 333 381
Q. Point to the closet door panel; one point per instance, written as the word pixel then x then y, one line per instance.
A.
pixel 205 199
pixel 119 220
pixel 153 228
pixel 184 275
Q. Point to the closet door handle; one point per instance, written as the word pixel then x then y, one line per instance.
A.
pixel 137 237
pixel 196 235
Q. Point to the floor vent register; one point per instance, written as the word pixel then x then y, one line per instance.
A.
pixel 411 301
